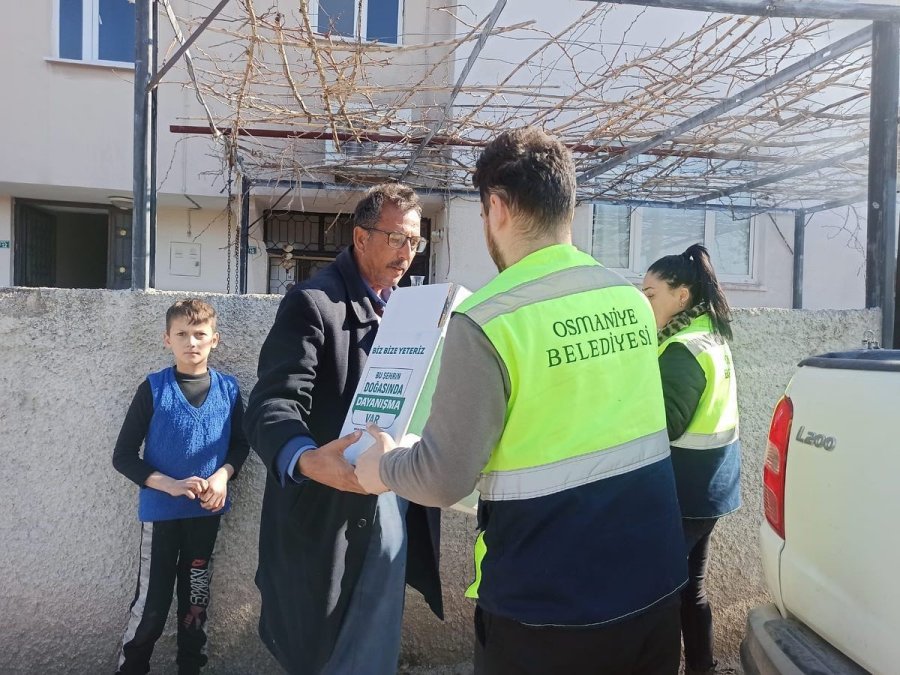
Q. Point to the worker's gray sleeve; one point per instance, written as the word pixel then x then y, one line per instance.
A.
pixel 468 412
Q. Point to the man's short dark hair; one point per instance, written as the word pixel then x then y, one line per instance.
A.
pixel 368 210
pixel 193 310
pixel 534 174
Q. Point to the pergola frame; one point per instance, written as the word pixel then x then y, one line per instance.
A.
pixel 882 283
pixel 768 180
pixel 839 48
pixel 884 34
pixel 788 9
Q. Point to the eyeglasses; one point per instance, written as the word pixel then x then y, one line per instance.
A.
pixel 398 239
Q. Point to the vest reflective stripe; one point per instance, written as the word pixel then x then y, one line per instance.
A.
pixel 715 422
pixel 574 471
pixel 480 552
pixel 556 285
pixel 716 439
pixel 697 343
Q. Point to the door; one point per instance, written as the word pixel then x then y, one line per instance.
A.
pixel 34 259
pixel 118 267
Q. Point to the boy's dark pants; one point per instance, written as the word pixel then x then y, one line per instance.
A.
pixel 648 644
pixel 171 550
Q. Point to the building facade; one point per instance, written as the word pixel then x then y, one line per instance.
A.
pixel 66 174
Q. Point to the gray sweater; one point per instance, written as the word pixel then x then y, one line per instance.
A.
pixel 468 413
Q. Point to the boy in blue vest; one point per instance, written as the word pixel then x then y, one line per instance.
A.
pixel 190 421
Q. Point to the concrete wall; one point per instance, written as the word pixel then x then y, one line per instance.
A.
pixel 73 359
pixel 68 520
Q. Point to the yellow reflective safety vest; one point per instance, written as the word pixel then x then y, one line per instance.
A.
pixel 706 458
pixel 715 422
pixel 578 515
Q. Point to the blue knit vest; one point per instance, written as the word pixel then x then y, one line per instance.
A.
pixel 185 441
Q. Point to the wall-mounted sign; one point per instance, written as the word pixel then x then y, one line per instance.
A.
pixel 184 259
pixel 4 243
pixel 251 250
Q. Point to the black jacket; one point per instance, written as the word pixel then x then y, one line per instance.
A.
pixel 683 383
pixel 313 539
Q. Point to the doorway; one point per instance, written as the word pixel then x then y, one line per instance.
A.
pixel 71 245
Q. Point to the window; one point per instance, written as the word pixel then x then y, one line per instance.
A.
pixel 665 231
pixel 631 239
pixel 731 247
pixel 374 19
pixel 96 30
pixel 611 242
pixel 300 244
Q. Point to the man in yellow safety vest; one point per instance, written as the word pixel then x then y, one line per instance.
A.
pixel 549 401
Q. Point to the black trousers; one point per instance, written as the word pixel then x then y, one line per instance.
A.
pixel 173 552
pixel 648 644
pixel 696 614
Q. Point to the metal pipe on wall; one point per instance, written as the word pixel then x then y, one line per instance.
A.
pixel 245 235
pixel 153 140
pixel 142 186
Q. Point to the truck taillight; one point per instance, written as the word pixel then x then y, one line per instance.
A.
pixel 776 463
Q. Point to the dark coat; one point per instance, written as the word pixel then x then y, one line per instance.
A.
pixel 313 539
pixel 683 383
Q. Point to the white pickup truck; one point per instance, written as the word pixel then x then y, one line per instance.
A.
pixel 830 540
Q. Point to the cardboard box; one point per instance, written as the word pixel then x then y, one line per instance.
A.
pixel 401 371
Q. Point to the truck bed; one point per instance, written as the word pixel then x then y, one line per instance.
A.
pixel 838 568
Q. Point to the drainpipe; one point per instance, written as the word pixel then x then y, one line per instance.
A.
pixel 142 187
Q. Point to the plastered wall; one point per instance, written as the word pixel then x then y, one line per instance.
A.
pixel 68 559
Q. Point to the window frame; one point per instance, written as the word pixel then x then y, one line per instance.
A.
pixel 709 237
pixel 363 22
pixel 90 37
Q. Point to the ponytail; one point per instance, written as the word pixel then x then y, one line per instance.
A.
pixel 694 269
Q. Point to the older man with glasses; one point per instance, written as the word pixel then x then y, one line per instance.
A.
pixel 334 561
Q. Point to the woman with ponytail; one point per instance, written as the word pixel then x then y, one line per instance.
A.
pixel 694 323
